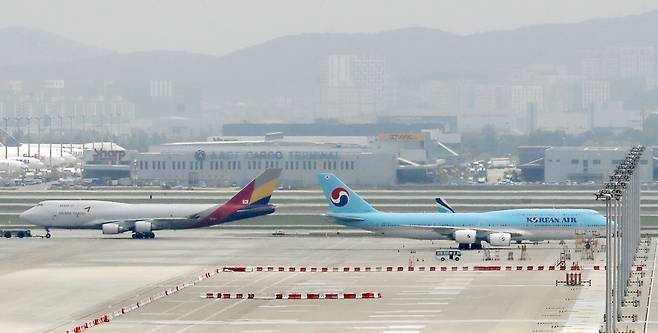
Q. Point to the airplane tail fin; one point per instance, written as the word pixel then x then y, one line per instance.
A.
pixel 258 191
pixel 252 198
pixel 342 199
pixel 444 207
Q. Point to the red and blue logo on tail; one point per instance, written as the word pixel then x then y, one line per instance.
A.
pixel 340 197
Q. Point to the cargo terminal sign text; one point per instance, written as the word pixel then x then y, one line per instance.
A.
pixel 273 155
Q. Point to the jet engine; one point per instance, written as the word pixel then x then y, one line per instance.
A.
pixel 499 239
pixel 465 236
pixel 142 226
pixel 113 228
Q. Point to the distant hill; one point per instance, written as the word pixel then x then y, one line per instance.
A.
pixel 23 46
pixel 290 65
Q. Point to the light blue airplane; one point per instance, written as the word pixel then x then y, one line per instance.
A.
pixel 498 228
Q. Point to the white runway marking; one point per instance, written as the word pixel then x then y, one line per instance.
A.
pixel 293 311
pixel 590 301
pixel 289 306
pixel 400 316
pixel 511 285
pixel 442 292
pixel 370 328
pixel 412 304
pixel 421 298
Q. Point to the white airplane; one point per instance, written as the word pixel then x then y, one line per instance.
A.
pixel 142 219
pixel 12 167
pixel 59 158
pixel 32 163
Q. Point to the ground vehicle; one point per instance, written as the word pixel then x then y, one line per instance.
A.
pixel 278 233
pixel 452 254
pixel 20 233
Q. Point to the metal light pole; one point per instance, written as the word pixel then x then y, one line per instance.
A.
pixel 622 231
pixel 50 141
pixel 609 322
pixel 84 132
pixel 61 134
pixel 38 135
pixel 71 135
pixel 6 119
pixel 18 128
pixel 29 136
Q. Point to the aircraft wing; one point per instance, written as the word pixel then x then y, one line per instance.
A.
pixel 157 224
pixel 449 230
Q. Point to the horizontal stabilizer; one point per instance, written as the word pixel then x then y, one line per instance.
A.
pixel 343 218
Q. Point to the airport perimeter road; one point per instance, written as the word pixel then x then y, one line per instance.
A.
pixel 53 285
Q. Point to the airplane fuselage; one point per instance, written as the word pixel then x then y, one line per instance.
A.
pixel 523 224
pixel 91 214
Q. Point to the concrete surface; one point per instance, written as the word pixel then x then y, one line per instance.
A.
pixel 50 285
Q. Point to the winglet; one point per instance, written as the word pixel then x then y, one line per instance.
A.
pixel 443 206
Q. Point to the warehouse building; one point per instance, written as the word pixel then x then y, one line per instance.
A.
pixel 236 161
pixel 579 164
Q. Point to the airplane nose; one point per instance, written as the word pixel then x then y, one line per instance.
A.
pixel 26 215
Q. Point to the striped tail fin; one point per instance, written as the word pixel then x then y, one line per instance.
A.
pixel 263 186
pixel 255 194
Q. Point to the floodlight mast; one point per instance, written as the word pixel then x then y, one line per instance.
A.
pixel 622 230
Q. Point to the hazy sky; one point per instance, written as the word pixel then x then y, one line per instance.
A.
pixel 220 26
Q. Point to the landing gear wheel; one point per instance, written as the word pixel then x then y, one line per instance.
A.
pixel 138 235
pixel 476 246
pixel 7 234
pixel 456 258
pixel 48 235
pixel 149 235
pixel 463 246
pixel 20 234
pixel 443 259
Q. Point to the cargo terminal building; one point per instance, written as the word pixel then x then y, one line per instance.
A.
pixel 580 164
pixel 235 162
